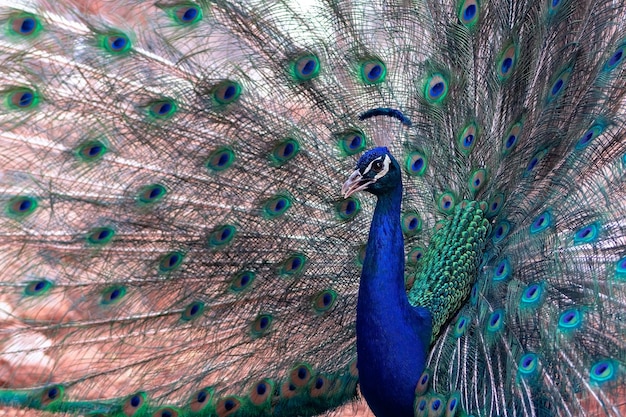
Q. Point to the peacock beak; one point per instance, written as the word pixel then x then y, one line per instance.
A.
pixel 355 183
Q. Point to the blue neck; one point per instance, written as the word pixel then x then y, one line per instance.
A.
pixel 392 336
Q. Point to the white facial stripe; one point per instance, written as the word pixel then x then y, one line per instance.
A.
pixel 385 169
pixel 369 167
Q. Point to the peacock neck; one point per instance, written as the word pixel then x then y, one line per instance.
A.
pixel 392 336
pixel 382 277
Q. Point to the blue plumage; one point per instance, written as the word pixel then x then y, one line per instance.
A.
pixel 392 336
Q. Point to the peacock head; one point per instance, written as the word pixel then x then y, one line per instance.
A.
pixel 376 172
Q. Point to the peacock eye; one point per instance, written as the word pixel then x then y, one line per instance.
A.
pixel 377 166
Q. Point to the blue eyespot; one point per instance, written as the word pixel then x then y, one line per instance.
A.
pixel 541 222
pixel 373 71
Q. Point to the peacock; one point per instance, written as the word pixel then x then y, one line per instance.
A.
pixel 273 208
